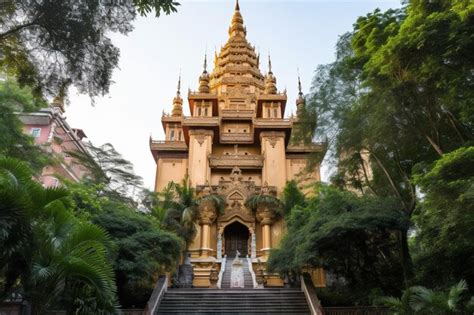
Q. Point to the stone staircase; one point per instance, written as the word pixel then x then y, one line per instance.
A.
pixel 248 283
pixel 234 301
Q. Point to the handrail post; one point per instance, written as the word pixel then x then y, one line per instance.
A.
pixel 157 295
pixel 310 293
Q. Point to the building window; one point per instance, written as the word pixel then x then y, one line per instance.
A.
pixel 35 132
pixel 179 135
pixel 205 111
pixel 172 135
pixel 275 113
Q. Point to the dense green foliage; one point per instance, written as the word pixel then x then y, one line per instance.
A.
pixel 444 242
pixel 49 45
pixel 86 247
pixel 420 300
pixel 13 142
pixel 397 107
pixel 354 239
pixel 48 255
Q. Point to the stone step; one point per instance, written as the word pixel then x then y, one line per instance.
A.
pixel 234 301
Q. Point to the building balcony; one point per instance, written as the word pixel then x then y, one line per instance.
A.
pixel 201 121
pixel 270 123
pixel 236 137
pixel 240 160
pixel 236 114
pixel 165 145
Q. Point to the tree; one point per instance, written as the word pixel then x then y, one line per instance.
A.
pixel 13 141
pixel 106 166
pixel 444 243
pixel 421 300
pixel 49 45
pixel 400 93
pixel 354 238
pixel 292 197
pixel 142 251
pixel 49 255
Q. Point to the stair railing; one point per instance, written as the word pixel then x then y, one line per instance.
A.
pixel 221 272
pixel 156 296
pixel 310 293
pixel 252 273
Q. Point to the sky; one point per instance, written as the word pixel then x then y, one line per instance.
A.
pixel 298 34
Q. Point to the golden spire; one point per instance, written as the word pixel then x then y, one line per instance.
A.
pixel 204 78
pixel 178 101
pixel 269 64
pixel 237 24
pixel 270 80
pixel 236 63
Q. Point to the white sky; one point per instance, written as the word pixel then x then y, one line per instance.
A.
pixel 296 33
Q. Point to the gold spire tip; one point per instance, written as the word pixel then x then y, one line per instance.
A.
pixel 178 91
pixel 269 64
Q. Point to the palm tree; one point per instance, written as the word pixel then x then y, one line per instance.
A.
pixel 428 301
pixel 421 300
pixel 265 201
pixel 176 208
pixel 50 254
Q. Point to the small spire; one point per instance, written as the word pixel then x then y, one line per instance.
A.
pixel 269 64
pixel 205 62
pixel 300 91
pixel 237 7
pixel 178 91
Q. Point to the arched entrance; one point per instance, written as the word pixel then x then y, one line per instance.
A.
pixel 236 236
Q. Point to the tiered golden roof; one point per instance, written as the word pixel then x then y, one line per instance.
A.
pixel 270 80
pixel 237 62
pixel 204 79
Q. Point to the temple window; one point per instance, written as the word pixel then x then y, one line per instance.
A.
pixel 172 135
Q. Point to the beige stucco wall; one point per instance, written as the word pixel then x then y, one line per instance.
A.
pixel 274 163
pixel 169 170
pixel 200 146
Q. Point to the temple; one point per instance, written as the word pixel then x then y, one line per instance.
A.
pixel 236 143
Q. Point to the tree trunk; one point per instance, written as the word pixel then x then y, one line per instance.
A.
pixel 405 259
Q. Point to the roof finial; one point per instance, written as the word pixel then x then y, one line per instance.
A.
pixel 269 64
pixel 300 92
pixel 178 91
pixel 205 62
pixel 237 7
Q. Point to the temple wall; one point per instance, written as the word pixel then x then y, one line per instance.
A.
pixel 200 146
pixel 296 171
pixel 169 170
pixel 274 165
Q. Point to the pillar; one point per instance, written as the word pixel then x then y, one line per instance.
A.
pixel 266 217
pixel 207 216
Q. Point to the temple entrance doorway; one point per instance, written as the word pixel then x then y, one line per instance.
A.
pixel 236 237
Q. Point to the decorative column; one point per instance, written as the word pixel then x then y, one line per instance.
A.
pixel 266 217
pixel 207 216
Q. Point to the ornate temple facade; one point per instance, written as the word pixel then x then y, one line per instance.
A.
pixel 236 143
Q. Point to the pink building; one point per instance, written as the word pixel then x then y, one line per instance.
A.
pixel 49 128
